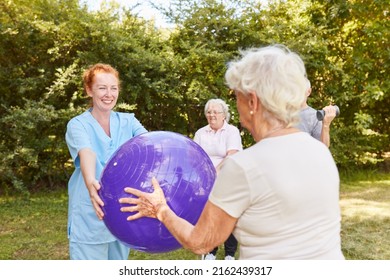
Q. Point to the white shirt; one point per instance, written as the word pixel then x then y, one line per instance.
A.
pixel 285 193
pixel 217 143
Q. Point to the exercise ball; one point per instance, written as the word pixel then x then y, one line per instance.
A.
pixel 184 171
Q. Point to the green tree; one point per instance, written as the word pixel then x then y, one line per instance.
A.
pixel 30 151
pixel 45 47
pixel 208 35
pixel 168 75
pixel 357 34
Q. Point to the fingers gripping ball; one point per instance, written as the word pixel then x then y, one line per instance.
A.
pixel 184 171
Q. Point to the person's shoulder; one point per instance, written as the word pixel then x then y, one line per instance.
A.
pixel 203 128
pixel 306 140
pixel 123 116
pixel 308 110
pixel 232 127
pixel 80 118
pixel 309 117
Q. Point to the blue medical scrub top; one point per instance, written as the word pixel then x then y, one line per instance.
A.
pixel 84 131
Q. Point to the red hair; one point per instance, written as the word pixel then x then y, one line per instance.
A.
pixel 90 73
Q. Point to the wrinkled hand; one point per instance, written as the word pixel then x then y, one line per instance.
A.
pixel 330 114
pixel 97 202
pixel 146 204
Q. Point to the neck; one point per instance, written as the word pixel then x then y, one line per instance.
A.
pixel 272 132
pixel 279 131
pixel 103 119
pixel 100 115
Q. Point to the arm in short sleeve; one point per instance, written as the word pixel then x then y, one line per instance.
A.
pixel 325 135
pixel 137 127
pixel 316 132
pixel 234 140
pixel 196 137
pixel 76 138
pixel 230 191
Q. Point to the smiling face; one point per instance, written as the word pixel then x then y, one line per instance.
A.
pixel 215 116
pixel 104 91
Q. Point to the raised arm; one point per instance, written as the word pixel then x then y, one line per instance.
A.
pixel 330 114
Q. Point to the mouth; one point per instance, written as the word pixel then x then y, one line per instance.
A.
pixel 107 101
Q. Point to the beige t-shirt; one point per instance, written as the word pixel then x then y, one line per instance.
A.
pixel 285 193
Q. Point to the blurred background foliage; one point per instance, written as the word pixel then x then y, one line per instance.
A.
pixel 168 74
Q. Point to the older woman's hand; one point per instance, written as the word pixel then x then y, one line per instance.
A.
pixel 146 204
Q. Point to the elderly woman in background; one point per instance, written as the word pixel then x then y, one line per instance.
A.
pixel 219 139
pixel 280 197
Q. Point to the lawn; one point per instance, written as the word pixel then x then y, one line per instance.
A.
pixel 365 208
pixel 35 228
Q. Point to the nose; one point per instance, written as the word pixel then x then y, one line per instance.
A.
pixel 110 92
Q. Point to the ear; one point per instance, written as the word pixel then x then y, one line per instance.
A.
pixel 308 92
pixel 253 101
pixel 89 91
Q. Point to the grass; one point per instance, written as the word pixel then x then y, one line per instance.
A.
pixel 365 208
pixel 35 228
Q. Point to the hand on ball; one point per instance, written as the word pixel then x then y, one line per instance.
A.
pixel 146 204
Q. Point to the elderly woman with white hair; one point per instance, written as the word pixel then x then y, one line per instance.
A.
pixel 219 139
pixel 282 199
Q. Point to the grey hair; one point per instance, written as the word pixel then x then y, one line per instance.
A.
pixel 220 102
pixel 276 75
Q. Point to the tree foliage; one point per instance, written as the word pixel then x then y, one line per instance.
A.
pixel 168 75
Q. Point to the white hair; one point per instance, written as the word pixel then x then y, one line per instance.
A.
pixel 276 75
pixel 220 102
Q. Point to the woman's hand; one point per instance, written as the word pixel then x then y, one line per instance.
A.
pixel 146 204
pixel 97 202
pixel 87 165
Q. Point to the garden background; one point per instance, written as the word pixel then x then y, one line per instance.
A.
pixel 167 75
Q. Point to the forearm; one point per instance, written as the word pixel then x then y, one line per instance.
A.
pixel 183 231
pixel 212 228
pixel 330 114
pixel 88 165
pixel 88 169
pixel 325 137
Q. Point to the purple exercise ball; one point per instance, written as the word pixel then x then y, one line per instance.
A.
pixel 184 171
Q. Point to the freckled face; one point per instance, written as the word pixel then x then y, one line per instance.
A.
pixel 104 91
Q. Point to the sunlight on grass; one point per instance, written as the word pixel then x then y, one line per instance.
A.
pixel 366 203
pixel 364 209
